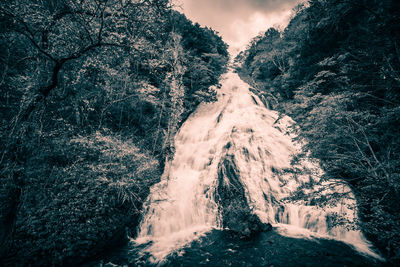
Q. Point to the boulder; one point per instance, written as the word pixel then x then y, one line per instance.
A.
pixel 236 214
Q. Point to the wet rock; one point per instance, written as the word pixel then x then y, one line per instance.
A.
pixel 236 213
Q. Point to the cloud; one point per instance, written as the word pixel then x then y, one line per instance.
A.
pixel 241 31
pixel 238 20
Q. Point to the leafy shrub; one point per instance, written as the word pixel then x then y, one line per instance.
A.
pixel 71 205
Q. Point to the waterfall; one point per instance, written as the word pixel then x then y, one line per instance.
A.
pixel 258 143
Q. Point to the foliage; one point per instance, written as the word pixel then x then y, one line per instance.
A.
pixel 335 70
pixel 72 206
pixel 89 94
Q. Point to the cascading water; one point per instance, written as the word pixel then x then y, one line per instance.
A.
pixel 238 128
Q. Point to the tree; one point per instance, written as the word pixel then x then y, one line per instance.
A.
pixel 341 87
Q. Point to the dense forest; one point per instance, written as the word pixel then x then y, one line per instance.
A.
pixel 92 94
pixel 336 71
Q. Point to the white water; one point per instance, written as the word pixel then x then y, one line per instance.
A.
pixel 182 206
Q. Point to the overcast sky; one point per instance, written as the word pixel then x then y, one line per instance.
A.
pixel 238 20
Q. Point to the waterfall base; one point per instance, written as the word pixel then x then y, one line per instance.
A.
pixel 221 248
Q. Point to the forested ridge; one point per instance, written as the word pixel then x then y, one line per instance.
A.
pixel 336 71
pixel 92 94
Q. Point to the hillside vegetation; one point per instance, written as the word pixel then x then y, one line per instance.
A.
pixel 336 71
pixel 92 94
